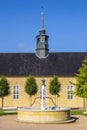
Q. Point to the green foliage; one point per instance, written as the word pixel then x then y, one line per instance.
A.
pixel 4 86
pixel 54 87
pixel 81 83
pixel 31 86
pixel 81 80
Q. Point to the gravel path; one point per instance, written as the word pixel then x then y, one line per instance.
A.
pixel 9 123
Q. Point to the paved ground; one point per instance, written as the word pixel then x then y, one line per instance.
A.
pixel 9 123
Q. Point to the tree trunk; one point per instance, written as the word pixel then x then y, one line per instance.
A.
pixel 56 100
pixel 2 102
pixel 84 104
pixel 30 100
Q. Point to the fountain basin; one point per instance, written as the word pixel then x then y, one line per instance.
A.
pixel 49 115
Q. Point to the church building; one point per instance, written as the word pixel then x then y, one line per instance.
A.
pixel 43 63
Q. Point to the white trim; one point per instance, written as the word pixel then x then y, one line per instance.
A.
pixel 70 89
pixel 41 57
pixel 16 95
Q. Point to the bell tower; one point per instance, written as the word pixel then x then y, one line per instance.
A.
pixel 42 50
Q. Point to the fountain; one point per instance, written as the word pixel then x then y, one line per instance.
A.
pixel 44 114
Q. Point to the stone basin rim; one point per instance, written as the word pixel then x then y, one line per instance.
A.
pixel 47 109
pixel 71 120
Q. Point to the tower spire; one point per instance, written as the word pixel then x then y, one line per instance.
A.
pixel 42 49
pixel 42 15
pixel 42 18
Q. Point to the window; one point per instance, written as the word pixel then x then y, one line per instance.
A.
pixel 16 92
pixel 69 92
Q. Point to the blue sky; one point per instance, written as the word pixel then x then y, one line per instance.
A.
pixel 65 23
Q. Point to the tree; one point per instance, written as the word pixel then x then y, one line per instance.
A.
pixel 31 87
pixel 4 88
pixel 54 87
pixel 81 82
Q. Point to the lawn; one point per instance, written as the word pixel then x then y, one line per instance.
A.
pixel 2 112
pixel 77 112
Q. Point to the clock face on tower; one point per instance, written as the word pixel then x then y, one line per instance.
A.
pixel 42 39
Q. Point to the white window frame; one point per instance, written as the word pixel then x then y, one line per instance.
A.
pixel 16 92
pixel 70 92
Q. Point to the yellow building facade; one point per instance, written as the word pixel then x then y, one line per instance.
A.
pixel 21 98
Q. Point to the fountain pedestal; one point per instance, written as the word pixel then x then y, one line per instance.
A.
pixel 43 95
pixel 44 114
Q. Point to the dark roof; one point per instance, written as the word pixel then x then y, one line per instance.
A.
pixel 23 64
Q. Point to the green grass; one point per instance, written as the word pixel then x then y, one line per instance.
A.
pixel 77 112
pixel 7 113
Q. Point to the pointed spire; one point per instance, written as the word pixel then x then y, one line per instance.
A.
pixel 42 18
pixel 42 50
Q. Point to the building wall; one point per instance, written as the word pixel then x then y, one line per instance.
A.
pixel 24 99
